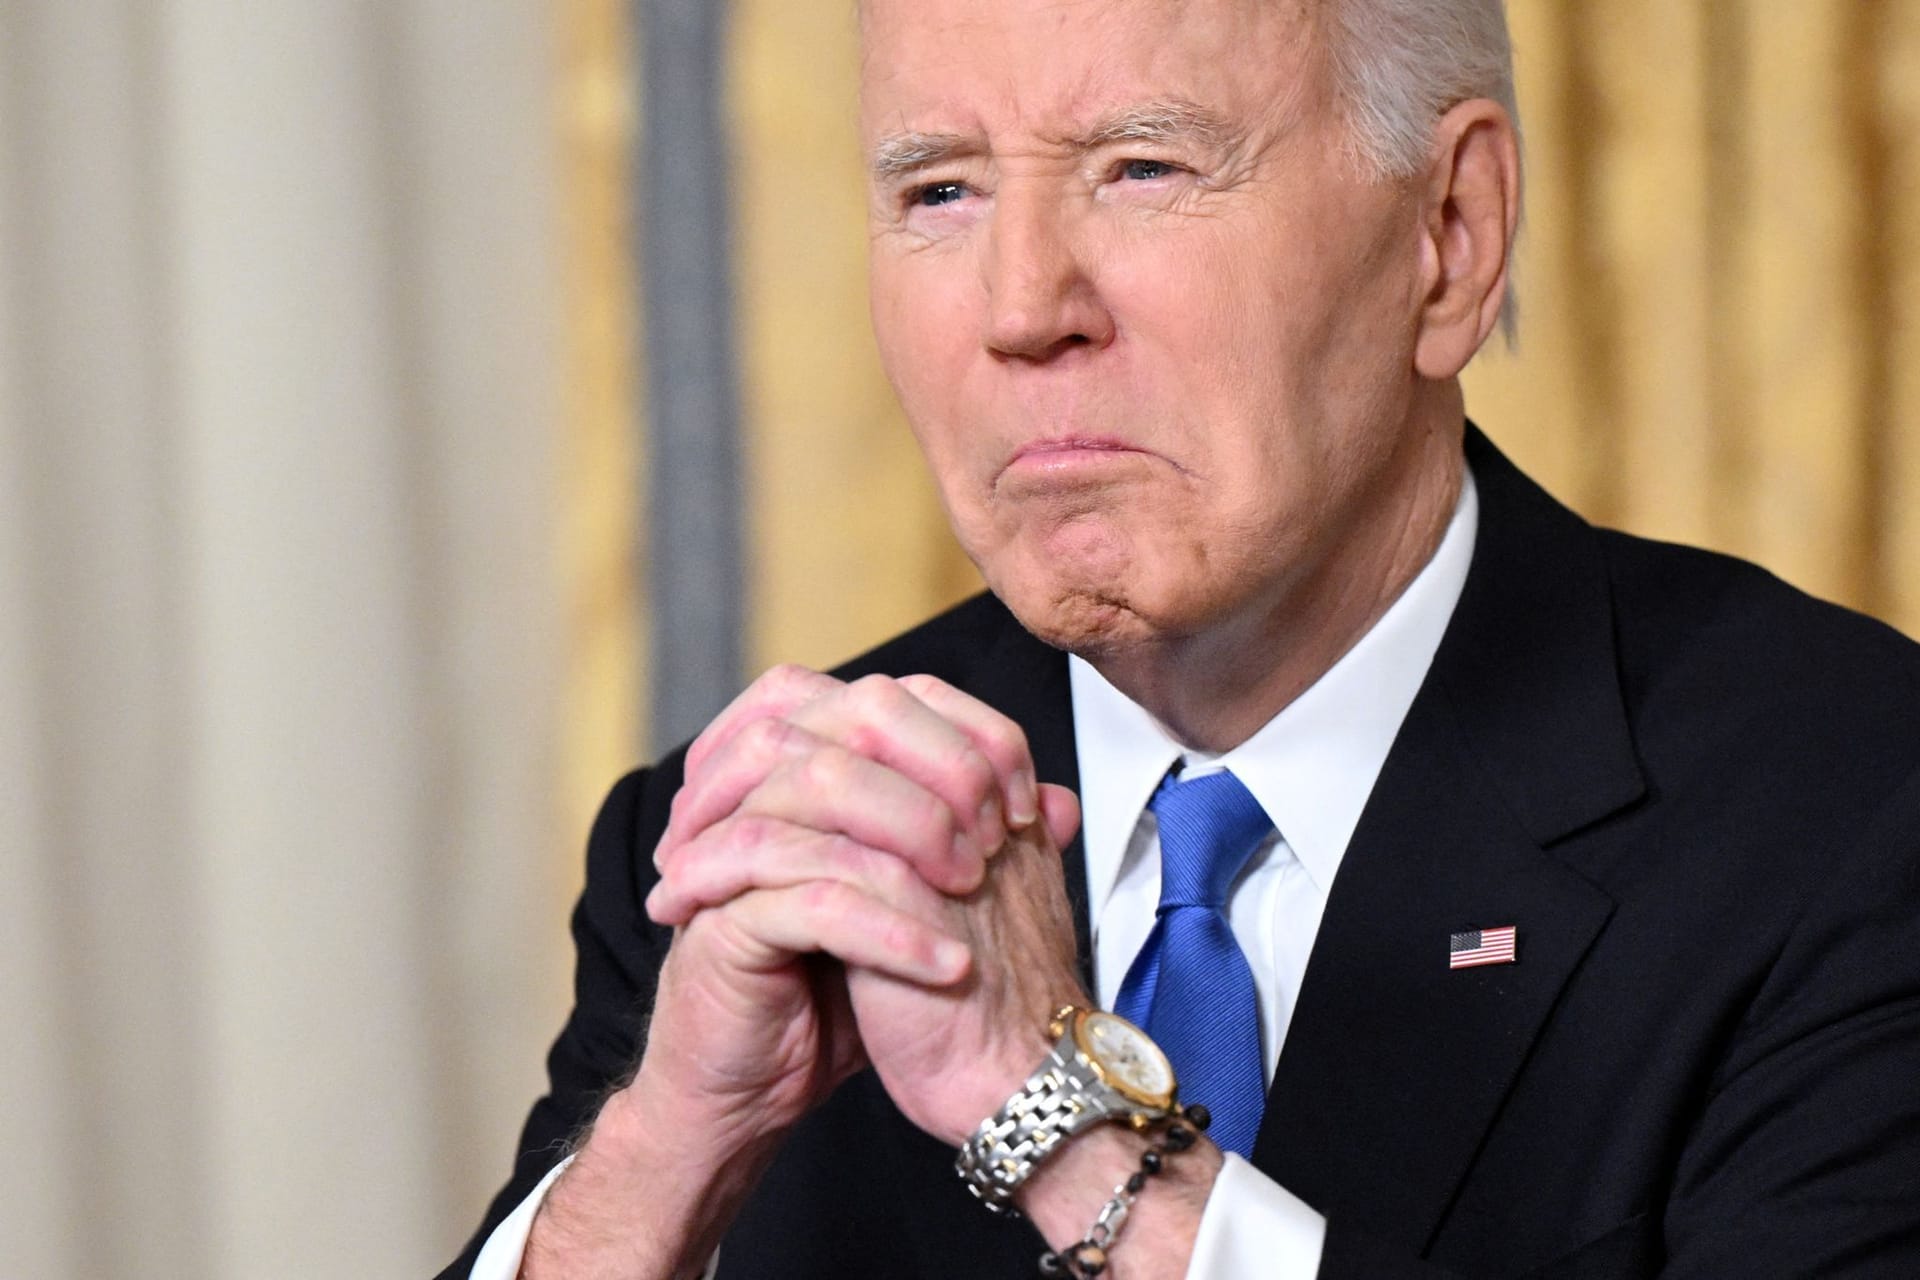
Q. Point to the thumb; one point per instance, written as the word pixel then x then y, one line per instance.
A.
pixel 1060 810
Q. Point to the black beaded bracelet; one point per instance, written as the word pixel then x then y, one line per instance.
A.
pixel 1088 1257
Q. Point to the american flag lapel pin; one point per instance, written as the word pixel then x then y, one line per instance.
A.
pixel 1475 947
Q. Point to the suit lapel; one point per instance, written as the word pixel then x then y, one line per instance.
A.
pixel 1395 1065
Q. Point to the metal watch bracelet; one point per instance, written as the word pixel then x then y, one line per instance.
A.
pixel 1053 1105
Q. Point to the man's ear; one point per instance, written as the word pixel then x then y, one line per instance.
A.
pixel 1470 211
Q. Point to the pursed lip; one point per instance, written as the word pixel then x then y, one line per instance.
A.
pixel 1066 460
pixel 1064 449
pixel 1075 444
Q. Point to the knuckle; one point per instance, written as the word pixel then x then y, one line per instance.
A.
pixel 935 826
pixel 974 772
pixel 680 815
pixel 923 682
pixel 867 740
pixel 891 877
pixel 827 771
pixel 823 900
pixel 756 751
pixel 1004 739
pixel 876 693
pixel 749 833
pixel 762 740
pixel 786 678
pixel 901 937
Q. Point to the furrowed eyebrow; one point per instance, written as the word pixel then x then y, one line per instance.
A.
pixel 900 154
pixel 1166 121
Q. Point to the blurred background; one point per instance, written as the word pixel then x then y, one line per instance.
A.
pixel 351 355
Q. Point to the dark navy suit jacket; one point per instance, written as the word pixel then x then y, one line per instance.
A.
pixel 1696 793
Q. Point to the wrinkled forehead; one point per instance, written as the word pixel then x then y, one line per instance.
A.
pixel 1049 66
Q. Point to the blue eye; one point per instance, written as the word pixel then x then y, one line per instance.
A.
pixel 939 193
pixel 1146 170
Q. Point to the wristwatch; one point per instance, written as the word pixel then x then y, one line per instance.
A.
pixel 1102 1068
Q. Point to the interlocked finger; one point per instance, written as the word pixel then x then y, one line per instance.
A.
pixel 880 718
pixel 778 692
pixel 834 790
pixel 766 928
pixel 909 766
pixel 745 853
pixel 993 735
pixel 774 771
pixel 728 773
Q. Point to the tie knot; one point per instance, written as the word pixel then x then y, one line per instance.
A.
pixel 1209 827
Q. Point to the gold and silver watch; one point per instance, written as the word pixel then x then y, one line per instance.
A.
pixel 1102 1068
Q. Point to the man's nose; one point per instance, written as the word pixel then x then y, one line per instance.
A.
pixel 1041 300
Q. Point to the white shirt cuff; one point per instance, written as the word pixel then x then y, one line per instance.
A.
pixel 501 1257
pixel 1253 1226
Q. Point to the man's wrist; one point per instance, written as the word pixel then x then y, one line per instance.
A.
pixel 1067 1191
pixel 649 1193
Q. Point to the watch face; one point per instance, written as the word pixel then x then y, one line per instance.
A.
pixel 1130 1061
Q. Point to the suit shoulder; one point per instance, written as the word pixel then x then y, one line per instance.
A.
pixel 1734 652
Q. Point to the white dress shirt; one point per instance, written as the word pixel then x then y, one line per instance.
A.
pixel 1312 768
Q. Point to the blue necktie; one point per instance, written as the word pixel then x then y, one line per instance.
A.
pixel 1190 986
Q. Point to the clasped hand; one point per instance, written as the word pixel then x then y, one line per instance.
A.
pixel 862 873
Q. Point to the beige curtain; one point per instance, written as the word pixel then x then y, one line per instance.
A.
pixel 602 704
pixel 1719 277
pixel 280 629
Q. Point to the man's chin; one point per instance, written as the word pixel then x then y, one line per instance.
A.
pixel 1092 622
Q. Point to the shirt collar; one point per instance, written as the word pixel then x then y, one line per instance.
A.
pixel 1313 765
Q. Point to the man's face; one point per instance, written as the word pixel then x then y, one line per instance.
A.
pixel 1152 325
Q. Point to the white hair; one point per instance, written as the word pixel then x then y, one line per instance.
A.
pixel 1398 65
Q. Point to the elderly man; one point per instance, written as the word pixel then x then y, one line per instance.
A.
pixel 1518 898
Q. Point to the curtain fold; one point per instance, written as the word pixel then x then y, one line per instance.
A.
pixel 279 629
pixel 1720 278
